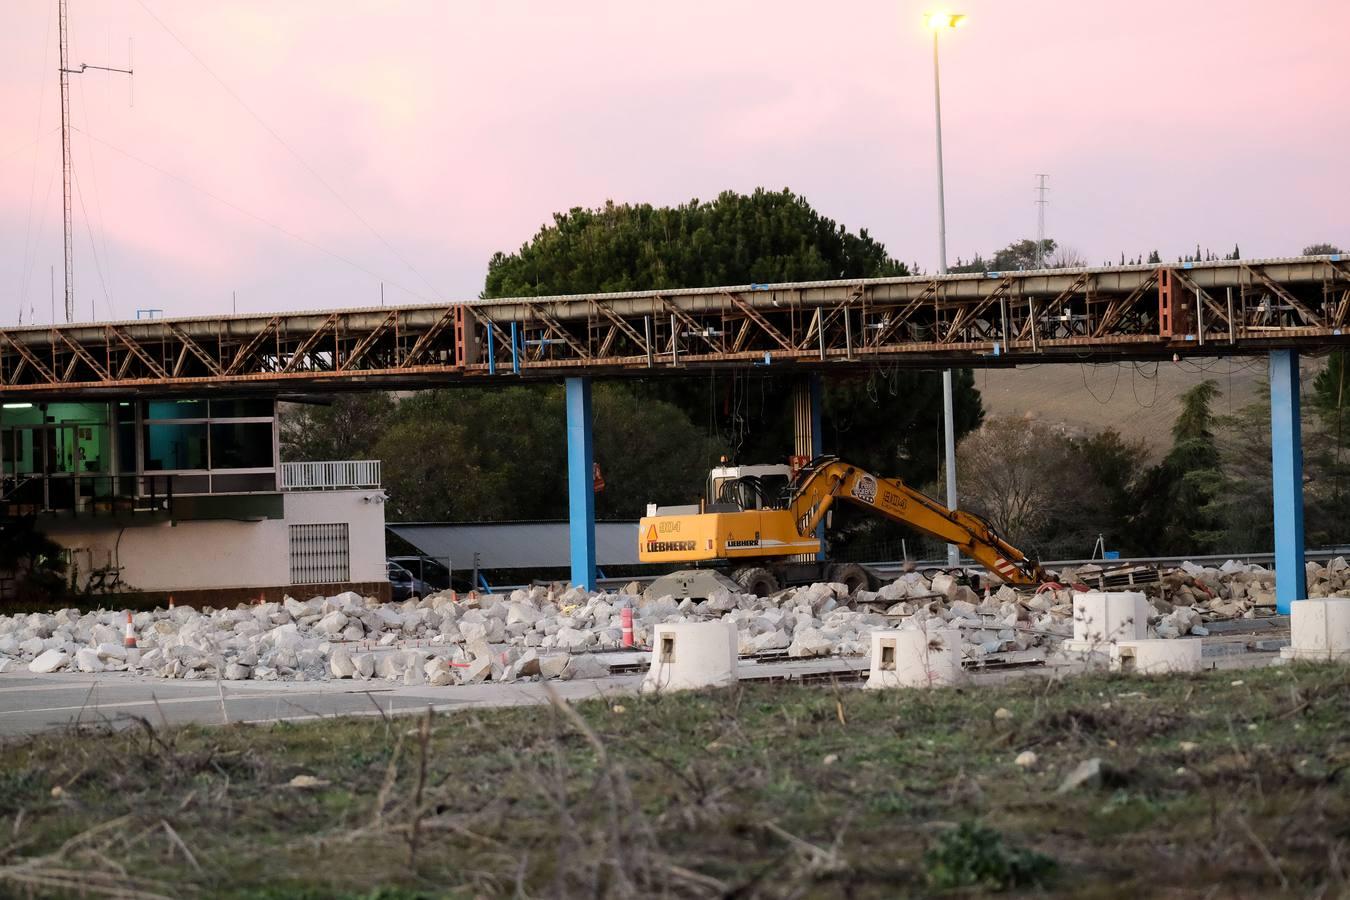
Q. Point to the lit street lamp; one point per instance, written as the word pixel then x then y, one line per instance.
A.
pixel 939 22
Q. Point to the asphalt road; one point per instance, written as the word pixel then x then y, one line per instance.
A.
pixel 31 703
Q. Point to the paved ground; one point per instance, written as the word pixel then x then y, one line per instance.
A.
pixel 31 703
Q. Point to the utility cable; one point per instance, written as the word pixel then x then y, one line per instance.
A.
pixel 1083 371
pixel 280 140
pixel 93 245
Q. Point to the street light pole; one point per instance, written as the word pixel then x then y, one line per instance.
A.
pixel 937 23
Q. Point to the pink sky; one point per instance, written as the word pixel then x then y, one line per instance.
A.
pixel 456 129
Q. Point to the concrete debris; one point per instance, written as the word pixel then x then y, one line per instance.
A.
pixel 1026 759
pixel 1089 771
pixel 540 628
pixel 49 661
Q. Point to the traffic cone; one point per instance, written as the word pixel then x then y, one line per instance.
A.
pixel 626 624
pixel 171 601
pixel 129 641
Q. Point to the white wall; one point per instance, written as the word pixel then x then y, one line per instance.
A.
pixel 203 555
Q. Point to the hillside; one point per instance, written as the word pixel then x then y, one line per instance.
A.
pixel 1139 400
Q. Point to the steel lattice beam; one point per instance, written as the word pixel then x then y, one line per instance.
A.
pixel 1112 312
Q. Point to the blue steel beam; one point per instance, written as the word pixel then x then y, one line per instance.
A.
pixel 580 483
pixel 1286 459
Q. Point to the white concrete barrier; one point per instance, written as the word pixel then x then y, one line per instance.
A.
pixel 915 658
pixel 692 655
pixel 1319 629
pixel 1102 618
pixel 1159 656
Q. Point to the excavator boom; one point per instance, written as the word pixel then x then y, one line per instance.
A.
pixel 818 486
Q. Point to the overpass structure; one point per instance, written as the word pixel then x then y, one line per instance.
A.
pixel 999 318
pixel 1274 307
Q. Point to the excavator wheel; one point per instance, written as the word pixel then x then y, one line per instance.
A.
pixel 756 580
pixel 850 575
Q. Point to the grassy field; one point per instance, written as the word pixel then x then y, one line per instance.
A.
pixel 1215 785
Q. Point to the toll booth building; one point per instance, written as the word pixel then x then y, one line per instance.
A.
pixel 189 497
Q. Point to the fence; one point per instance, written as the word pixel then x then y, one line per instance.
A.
pixel 330 476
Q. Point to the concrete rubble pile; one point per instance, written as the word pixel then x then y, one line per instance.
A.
pixel 1189 597
pixel 540 632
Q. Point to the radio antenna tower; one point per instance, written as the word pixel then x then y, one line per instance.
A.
pixel 66 71
pixel 1041 188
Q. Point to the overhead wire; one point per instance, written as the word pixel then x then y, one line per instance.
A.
pixel 282 141
pixel 93 245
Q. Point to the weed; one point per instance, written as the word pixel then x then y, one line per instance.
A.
pixel 975 856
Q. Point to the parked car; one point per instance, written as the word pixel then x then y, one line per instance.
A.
pixel 404 585
pixel 433 573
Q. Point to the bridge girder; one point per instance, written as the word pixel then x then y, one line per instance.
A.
pixel 1115 312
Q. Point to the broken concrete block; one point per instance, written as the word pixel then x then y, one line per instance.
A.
pixel 477 671
pixel 808 642
pixel 439 672
pixel 573 639
pixel 527 664
pixel 49 661
pixel 552 666
pixel 585 666
pixel 942 583
pixel 341 664
pixel 332 624
pixel 365 665
pixel 236 672
pixel 86 660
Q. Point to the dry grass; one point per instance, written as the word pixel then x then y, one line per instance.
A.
pixel 1213 785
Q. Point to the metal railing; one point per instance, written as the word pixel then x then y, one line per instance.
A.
pixel 86 495
pixel 335 475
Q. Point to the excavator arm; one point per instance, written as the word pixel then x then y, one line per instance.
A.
pixel 816 488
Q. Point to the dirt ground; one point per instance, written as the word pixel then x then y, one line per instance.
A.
pixel 1223 784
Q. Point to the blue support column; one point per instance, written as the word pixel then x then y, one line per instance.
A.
pixel 1286 459
pixel 580 484
pixel 816 386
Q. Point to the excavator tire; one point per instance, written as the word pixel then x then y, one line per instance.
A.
pixel 851 575
pixel 756 580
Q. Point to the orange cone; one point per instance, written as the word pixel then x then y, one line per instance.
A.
pixel 171 601
pixel 130 640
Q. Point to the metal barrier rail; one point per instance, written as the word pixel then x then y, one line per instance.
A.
pixel 330 475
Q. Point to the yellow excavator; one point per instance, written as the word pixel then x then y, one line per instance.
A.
pixel 759 525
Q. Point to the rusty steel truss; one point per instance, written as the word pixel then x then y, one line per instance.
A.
pixel 1114 312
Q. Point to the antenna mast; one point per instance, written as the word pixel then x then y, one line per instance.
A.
pixel 66 71
pixel 1041 188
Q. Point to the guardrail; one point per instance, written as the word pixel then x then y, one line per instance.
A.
pixel 333 475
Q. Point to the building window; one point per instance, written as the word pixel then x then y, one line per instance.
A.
pixel 245 408
pixel 175 447
pixel 241 445
pixel 176 409
pixel 320 553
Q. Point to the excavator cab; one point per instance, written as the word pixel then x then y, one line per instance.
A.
pixel 739 488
